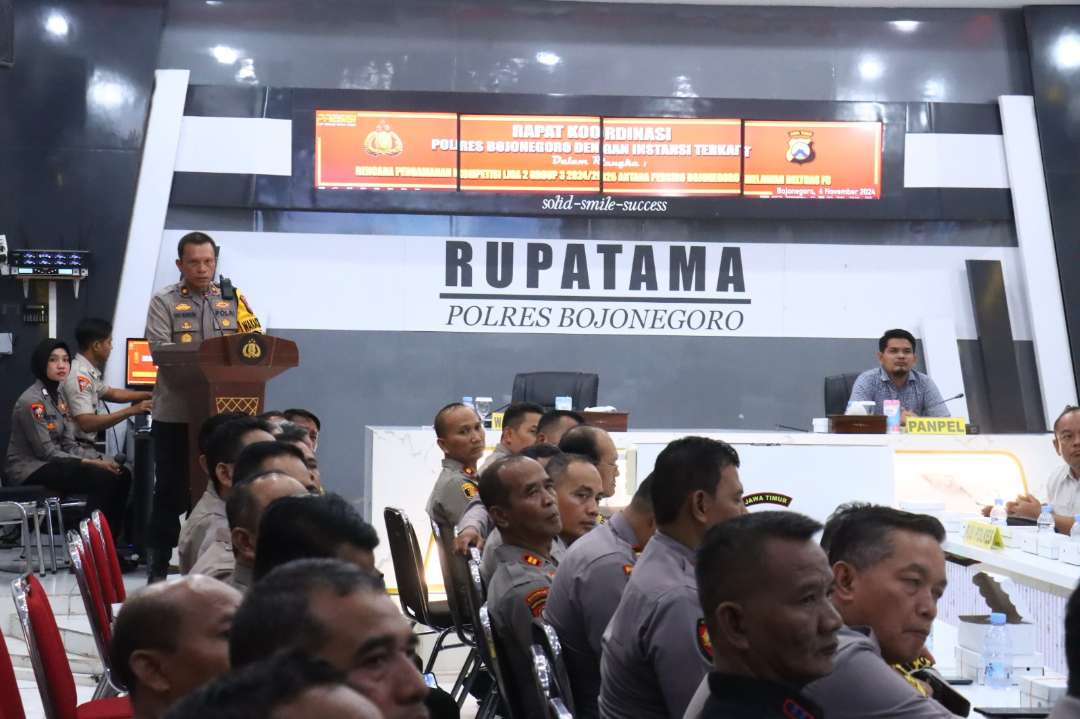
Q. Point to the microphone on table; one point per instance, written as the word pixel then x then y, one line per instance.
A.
pixel 949 399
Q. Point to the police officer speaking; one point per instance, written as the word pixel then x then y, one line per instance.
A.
pixel 188 312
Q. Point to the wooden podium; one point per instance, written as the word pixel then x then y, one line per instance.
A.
pixel 223 374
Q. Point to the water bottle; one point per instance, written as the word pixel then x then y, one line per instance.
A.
pixel 997 514
pixel 1046 521
pixel 997 653
pixel 468 402
pixel 1074 533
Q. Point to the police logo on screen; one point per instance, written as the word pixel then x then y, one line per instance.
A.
pixel 800 146
pixel 383 141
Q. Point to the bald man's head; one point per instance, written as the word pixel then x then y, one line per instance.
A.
pixel 246 504
pixel 171 638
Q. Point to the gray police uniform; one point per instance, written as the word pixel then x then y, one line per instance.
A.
pixel 477 517
pixel 501 450
pixel 82 389
pixel 742 697
pixel 591 578
pixel 489 562
pixel 178 315
pixel 42 432
pixel 517 594
pixel 454 490
pixel 655 649
pixel 863 685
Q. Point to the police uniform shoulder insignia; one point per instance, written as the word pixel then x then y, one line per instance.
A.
pixel 468 489
pixel 215 290
pixel 38 410
pixel 223 304
pixel 84 383
pixel 532 560
pixel 704 643
pixel 469 471
pixel 537 600
pixel 793 710
pixel 628 569
pixel 181 306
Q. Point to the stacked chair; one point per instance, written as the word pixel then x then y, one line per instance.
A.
pixel 49 659
pixel 455 573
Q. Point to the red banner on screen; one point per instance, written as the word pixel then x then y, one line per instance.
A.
pixel 667 156
pixel 530 153
pixel 385 150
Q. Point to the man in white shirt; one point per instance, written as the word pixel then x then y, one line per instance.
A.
pixel 1063 487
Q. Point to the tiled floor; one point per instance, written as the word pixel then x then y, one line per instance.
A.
pixel 67 605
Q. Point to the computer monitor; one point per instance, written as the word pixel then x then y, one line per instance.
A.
pixel 141 371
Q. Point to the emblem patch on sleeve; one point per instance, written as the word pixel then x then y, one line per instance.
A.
pixel 794 710
pixel 537 600
pixel 38 410
pixel 84 383
pixel 704 643
pixel 468 489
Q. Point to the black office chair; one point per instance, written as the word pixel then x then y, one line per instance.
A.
pixel 837 392
pixel 412 587
pixel 455 573
pixel 547 640
pixel 543 387
pixel 498 699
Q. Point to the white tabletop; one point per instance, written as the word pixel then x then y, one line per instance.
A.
pixel 943 647
pixel 1051 575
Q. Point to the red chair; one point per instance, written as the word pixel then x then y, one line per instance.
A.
pixel 49 659
pixel 95 547
pixel 98 522
pixel 98 611
pixel 11 706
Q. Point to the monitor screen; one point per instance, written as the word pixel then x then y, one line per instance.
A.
pixel 667 156
pixel 385 150
pixel 530 153
pixel 141 370
pixel 813 160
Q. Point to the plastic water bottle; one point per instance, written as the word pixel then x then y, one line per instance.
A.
pixel 997 653
pixel 997 514
pixel 1046 520
pixel 1074 533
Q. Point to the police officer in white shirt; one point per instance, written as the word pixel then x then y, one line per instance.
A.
pixel 1063 486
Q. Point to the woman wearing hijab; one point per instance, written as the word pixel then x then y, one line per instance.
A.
pixel 42 449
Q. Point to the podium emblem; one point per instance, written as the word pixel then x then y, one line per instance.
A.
pixel 252 350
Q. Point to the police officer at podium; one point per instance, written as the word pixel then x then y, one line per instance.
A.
pixel 186 313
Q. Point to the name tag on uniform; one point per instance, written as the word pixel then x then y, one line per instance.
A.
pixel 983 535
pixel 936 425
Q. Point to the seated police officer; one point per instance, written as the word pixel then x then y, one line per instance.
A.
pixel 518 430
pixel 460 435
pixel 287 686
pixel 578 491
pixel 764 586
pixel 889 569
pixel 521 499
pixel 588 585
pixel 171 638
pixel 555 423
pixel 42 449
pixel 655 650
pixel 334 611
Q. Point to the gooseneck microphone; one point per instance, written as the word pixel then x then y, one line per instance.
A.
pixel 948 399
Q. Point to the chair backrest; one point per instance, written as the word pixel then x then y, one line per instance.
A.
pixel 47 654
pixel 95 545
pixel 545 637
pixel 541 675
pixel 11 706
pixel 838 391
pixel 558 710
pixel 543 387
pixel 408 565
pixel 489 653
pixel 98 520
pixel 82 563
pixel 455 573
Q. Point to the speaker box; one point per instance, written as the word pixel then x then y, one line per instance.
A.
pixel 7 33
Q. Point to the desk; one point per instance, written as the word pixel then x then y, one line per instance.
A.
pixel 1048 575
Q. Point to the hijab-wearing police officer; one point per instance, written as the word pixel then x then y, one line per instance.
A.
pixel 43 450
pixel 185 313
